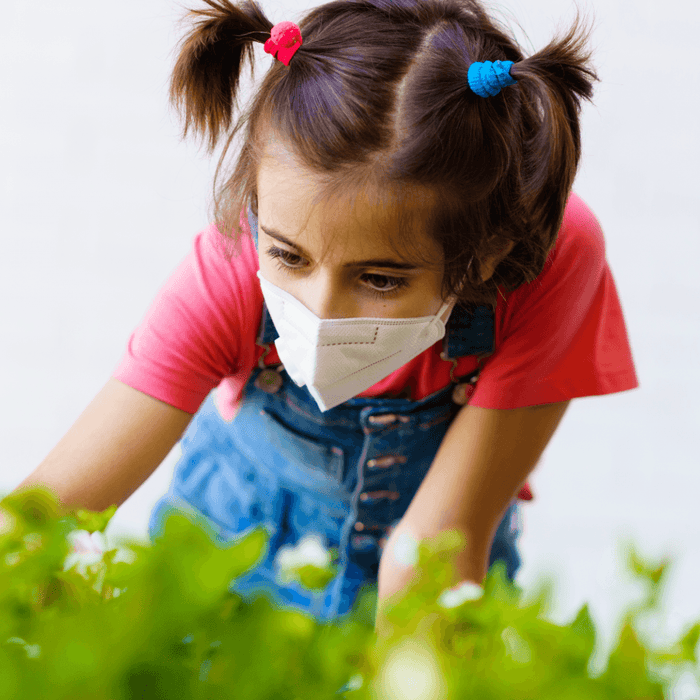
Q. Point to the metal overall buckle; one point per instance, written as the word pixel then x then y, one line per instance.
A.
pixel 269 380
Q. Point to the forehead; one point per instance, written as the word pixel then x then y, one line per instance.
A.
pixel 344 217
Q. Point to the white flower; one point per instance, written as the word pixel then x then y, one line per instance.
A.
pixel 33 650
pixel 405 549
pixel 308 551
pixel 410 672
pixel 128 556
pixel 355 683
pixel 87 550
pixel 457 595
pixel 684 686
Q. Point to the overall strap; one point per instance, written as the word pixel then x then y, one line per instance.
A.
pixel 267 333
pixel 469 333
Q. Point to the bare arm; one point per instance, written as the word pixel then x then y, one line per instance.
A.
pixel 481 464
pixel 113 447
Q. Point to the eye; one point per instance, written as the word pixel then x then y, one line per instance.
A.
pixel 384 286
pixel 284 258
pixel 378 286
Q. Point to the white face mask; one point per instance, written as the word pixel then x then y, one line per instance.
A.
pixel 339 358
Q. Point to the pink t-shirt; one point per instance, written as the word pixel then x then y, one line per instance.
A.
pixel 559 337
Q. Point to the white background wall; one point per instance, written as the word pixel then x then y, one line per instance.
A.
pixel 99 201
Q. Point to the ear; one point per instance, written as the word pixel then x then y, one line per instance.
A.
pixel 490 264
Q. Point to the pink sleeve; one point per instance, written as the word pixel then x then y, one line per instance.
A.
pixel 200 328
pixel 563 335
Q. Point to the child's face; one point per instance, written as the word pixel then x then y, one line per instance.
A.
pixel 359 274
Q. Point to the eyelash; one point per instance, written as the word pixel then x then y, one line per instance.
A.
pixel 282 259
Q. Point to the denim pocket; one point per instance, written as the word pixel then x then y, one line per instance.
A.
pixel 294 457
pixel 311 514
pixel 225 486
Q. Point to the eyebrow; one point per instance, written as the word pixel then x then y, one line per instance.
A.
pixel 374 262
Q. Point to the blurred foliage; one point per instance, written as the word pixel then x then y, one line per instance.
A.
pixel 159 621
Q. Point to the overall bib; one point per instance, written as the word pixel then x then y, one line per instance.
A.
pixel 347 474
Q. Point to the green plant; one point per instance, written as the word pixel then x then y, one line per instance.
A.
pixel 159 621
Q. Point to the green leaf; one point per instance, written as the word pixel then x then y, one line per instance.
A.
pixel 584 628
pixel 681 652
pixel 627 671
pixel 11 672
pixel 577 642
pixel 93 521
pixel 37 505
pixel 654 572
pixel 248 551
pixel 315 578
pixel 176 630
pixel 689 643
pixel 498 587
pixel 156 679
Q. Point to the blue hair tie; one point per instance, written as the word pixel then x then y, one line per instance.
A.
pixel 486 79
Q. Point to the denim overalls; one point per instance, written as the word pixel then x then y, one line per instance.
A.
pixel 347 474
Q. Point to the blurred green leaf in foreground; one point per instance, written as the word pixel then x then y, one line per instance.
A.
pixel 80 619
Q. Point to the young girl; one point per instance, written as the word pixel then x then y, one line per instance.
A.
pixel 397 301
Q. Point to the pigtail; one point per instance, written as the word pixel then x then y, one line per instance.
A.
pixel 555 80
pixel 205 79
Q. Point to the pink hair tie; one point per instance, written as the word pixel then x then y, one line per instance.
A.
pixel 284 42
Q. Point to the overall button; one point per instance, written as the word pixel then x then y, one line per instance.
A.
pixel 461 393
pixel 269 381
pixel 386 419
pixel 360 527
pixel 386 461
pixel 392 495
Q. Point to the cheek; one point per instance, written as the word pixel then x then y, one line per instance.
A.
pixel 431 292
pixel 423 300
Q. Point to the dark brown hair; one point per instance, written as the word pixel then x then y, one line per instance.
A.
pixel 378 93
